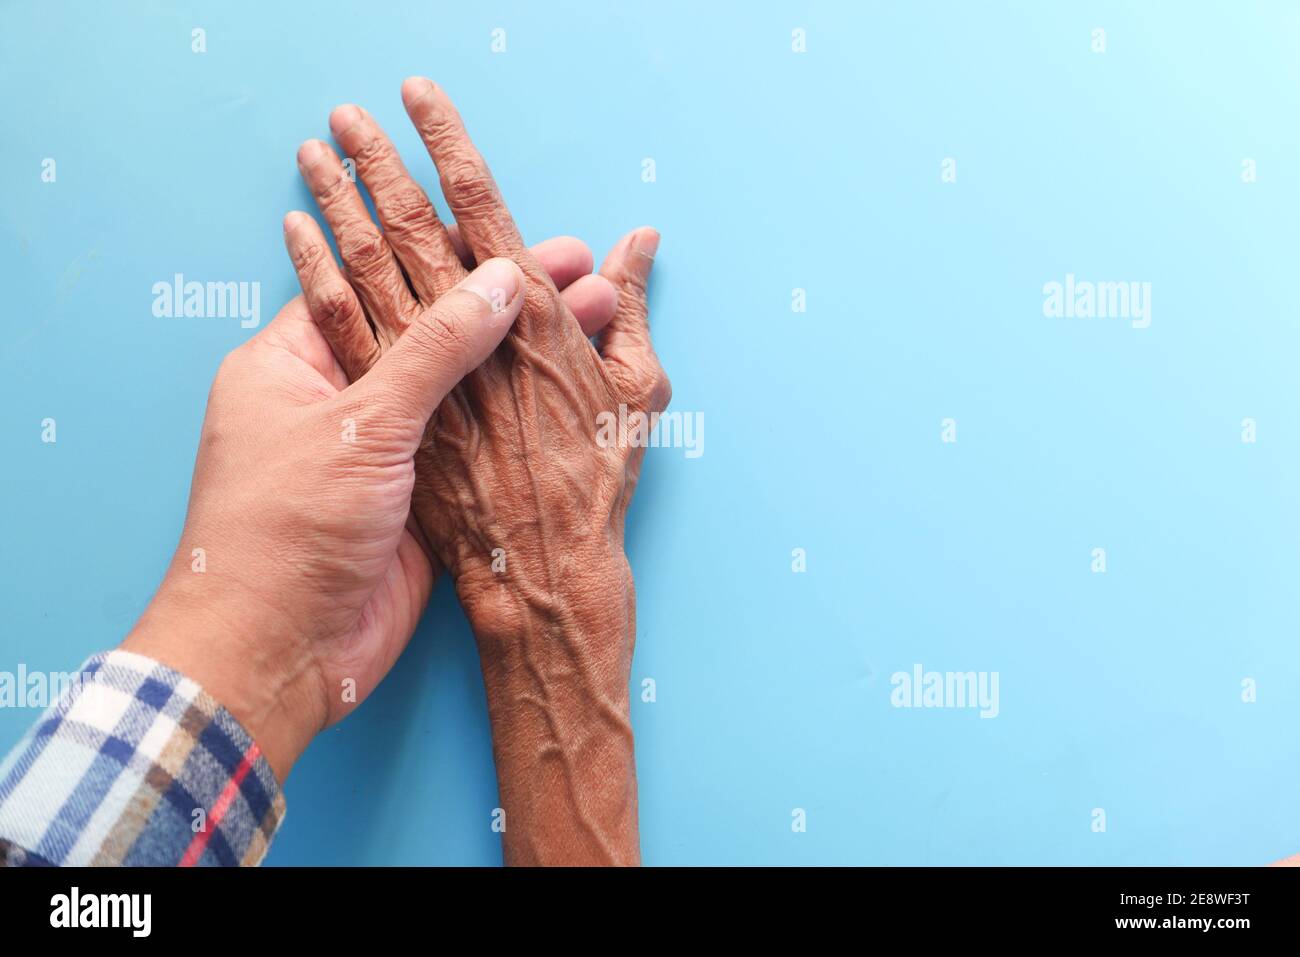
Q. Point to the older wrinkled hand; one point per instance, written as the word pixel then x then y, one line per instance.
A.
pixel 510 466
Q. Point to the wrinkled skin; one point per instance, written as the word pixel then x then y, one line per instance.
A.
pixel 510 468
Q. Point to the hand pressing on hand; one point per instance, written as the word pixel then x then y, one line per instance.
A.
pixel 298 579
pixel 517 497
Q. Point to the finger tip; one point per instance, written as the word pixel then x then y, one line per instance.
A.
pixel 604 287
pixel 584 259
pixel 645 240
pixel 310 152
pixel 344 116
pixel 610 304
pixel 414 87
pixel 593 301
pixel 292 220
pixel 578 255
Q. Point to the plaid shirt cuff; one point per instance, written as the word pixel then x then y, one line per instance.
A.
pixel 136 765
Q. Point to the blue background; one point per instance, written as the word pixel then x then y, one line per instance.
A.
pixel 775 170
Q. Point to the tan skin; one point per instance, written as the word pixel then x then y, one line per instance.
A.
pixel 311 572
pixel 509 467
pixel 316 566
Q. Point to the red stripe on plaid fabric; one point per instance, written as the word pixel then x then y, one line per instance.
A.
pixel 200 841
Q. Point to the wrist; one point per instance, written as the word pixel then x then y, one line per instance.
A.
pixel 245 656
pixel 527 615
pixel 556 666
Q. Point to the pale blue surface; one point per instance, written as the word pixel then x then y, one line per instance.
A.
pixel 775 171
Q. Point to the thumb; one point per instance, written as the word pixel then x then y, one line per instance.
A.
pixel 443 343
pixel 624 343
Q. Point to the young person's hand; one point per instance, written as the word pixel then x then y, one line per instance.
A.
pixel 299 578
pixel 517 496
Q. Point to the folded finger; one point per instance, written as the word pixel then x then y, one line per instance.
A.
pixel 566 259
pixel 593 301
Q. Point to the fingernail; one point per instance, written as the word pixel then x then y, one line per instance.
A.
pixel 646 242
pixel 291 221
pixel 310 152
pixel 343 118
pixel 414 87
pixel 496 282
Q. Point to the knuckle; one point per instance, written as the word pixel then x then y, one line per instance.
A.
pixel 661 388
pixel 642 380
pixel 330 192
pixel 541 302
pixel 228 369
pixel 535 275
pixel 307 256
pixel 636 283
pixel 335 305
pixel 468 185
pixel 375 150
pixel 408 209
pixel 232 371
pixel 364 250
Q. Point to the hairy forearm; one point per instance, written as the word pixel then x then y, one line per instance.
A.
pixel 556 665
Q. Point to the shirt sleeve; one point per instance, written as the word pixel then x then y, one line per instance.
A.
pixel 134 764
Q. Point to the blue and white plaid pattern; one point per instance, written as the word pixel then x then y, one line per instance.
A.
pixel 136 766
